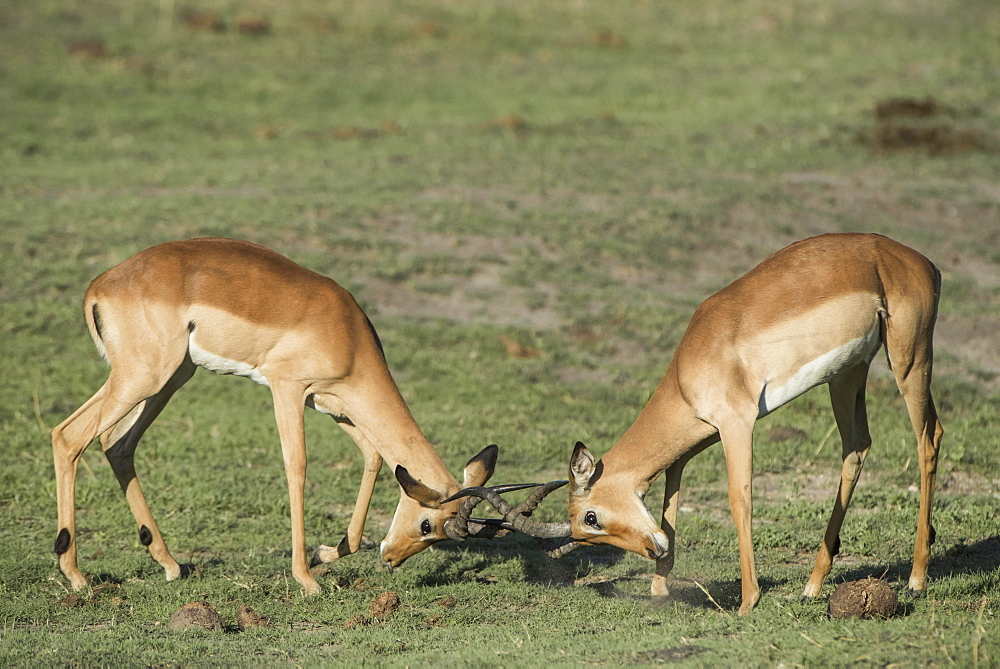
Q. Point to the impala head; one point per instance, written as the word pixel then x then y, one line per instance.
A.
pixel 609 509
pixel 425 515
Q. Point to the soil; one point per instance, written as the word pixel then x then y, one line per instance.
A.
pixel 924 124
pixel 963 255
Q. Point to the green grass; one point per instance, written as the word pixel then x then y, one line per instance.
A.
pixel 573 176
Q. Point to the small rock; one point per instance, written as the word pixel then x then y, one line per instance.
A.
pixel 385 605
pixel 247 617
pixel 195 615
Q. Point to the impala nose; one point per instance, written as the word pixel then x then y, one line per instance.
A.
pixel 660 546
pixel 381 553
pixel 388 560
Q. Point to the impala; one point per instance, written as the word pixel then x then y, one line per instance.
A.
pixel 815 312
pixel 234 307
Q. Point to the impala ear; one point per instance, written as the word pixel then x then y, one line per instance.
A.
pixel 480 468
pixel 581 467
pixel 414 489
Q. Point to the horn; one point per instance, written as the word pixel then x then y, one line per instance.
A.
pixel 494 528
pixel 457 528
pixel 500 489
pixel 515 518
pixel 557 548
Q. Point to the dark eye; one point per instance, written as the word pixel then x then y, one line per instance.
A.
pixel 591 519
pixel 425 527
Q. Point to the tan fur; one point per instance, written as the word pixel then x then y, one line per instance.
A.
pixel 814 312
pixel 237 307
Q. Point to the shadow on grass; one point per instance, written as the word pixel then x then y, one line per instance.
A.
pixel 97 580
pixel 576 568
pixel 565 571
pixel 981 557
pixel 539 569
pixel 712 595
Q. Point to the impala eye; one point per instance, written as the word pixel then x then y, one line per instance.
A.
pixel 425 527
pixel 591 519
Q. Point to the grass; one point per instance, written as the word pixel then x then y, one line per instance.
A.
pixel 571 177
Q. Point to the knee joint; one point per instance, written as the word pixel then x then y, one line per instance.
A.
pixel 852 465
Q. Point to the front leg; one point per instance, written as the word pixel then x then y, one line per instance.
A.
pixel 289 403
pixel 668 522
pixel 373 464
pixel 737 441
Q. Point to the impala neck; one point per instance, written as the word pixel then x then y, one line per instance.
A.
pixel 664 432
pixel 383 418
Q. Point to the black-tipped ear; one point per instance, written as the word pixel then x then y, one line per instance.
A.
pixel 414 489
pixel 581 467
pixel 480 468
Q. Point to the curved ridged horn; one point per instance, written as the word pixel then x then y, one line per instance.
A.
pixel 458 528
pixel 494 528
pixel 557 548
pixel 516 518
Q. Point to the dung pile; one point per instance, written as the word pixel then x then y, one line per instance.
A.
pixel 867 598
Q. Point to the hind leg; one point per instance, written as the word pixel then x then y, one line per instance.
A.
pixel 119 444
pixel 847 393
pixel 909 342
pixel 109 405
pixel 924 418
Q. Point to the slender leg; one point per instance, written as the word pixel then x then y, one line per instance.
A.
pixel 119 444
pixel 108 406
pixel 69 440
pixel 668 522
pixel 737 440
pixel 925 422
pixel 289 407
pixel 847 394
pixel 373 463
pixel 924 418
pixel 909 342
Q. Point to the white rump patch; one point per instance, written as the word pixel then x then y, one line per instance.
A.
pixel 818 371
pixel 220 365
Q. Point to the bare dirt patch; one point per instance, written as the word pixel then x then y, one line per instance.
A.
pixel 958 232
pixel 923 124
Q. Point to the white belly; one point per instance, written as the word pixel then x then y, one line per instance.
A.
pixel 817 371
pixel 220 365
